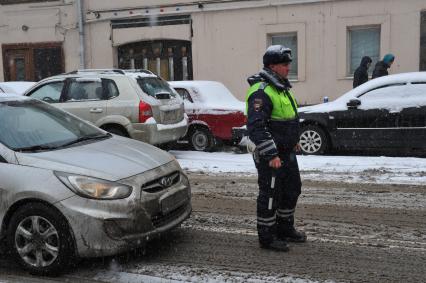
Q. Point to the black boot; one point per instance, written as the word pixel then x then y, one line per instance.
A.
pixel 292 235
pixel 276 245
pixel 287 232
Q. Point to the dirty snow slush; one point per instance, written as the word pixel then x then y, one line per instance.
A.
pixel 357 233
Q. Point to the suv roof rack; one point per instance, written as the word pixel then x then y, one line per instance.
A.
pixel 145 71
pixel 117 71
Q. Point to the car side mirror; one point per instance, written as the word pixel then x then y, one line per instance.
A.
pixel 353 103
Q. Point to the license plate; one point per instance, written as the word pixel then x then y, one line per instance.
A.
pixel 173 201
pixel 170 116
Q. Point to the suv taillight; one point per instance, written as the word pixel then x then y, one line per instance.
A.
pixel 145 112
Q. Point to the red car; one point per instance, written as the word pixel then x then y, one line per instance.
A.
pixel 215 115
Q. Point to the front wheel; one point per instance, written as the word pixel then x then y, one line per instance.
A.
pixel 40 239
pixel 313 140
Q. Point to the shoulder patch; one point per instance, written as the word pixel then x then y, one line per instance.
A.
pixel 257 105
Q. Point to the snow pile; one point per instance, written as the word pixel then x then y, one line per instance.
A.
pixel 392 170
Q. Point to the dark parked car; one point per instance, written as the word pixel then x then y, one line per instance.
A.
pixel 387 113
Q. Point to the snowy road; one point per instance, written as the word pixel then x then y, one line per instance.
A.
pixel 368 231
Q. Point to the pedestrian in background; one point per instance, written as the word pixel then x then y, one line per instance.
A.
pixel 381 68
pixel 361 73
pixel 273 127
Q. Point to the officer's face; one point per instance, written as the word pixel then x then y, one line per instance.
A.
pixel 281 69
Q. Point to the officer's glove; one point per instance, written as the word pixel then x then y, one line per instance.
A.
pixel 251 147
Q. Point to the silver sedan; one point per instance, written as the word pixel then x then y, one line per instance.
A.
pixel 69 189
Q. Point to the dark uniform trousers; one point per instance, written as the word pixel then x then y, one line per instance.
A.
pixel 285 195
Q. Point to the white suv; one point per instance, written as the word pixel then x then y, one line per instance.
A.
pixel 132 103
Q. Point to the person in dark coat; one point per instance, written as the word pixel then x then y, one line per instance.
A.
pixel 381 68
pixel 361 73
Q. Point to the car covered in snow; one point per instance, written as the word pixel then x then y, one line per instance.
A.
pixel 131 103
pixel 69 189
pixel 215 115
pixel 15 87
pixel 387 113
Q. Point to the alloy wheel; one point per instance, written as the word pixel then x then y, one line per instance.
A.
pixel 310 141
pixel 37 241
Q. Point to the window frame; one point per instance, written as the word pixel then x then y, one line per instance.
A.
pixel 187 96
pixel 48 83
pixel 291 75
pixel 349 29
pixel 382 86
pixel 29 48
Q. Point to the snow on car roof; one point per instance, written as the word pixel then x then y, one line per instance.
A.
pixel 16 87
pixel 340 103
pixel 140 74
pixel 11 97
pixel 210 95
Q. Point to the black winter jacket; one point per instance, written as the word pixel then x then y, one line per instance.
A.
pixel 361 73
pixel 380 70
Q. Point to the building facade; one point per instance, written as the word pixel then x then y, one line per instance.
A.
pixel 212 40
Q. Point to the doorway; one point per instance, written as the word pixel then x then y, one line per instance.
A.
pixel 32 62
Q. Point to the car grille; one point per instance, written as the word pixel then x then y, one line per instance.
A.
pixel 161 183
pixel 163 219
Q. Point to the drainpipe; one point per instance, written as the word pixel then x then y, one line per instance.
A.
pixel 81 33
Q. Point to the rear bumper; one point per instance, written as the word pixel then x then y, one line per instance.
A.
pixel 158 133
pixel 238 133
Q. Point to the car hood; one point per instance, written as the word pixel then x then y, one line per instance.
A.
pixel 111 159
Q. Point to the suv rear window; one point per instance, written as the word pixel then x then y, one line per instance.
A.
pixel 156 87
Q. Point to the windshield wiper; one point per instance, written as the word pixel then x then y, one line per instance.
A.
pixel 36 148
pixel 86 138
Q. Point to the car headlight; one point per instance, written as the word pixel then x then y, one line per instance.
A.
pixel 94 188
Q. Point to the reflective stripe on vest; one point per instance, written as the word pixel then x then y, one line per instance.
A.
pixel 282 109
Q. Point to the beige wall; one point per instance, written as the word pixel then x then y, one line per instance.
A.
pixel 228 44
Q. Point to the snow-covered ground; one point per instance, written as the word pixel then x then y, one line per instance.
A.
pixel 366 169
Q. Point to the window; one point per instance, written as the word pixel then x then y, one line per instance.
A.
pixel 50 93
pixel 389 97
pixel 170 59
pixel 288 40
pixel 184 94
pixel 111 87
pixel 32 123
pixel 85 90
pixel 363 41
pixel 32 61
pixel 423 41
pixel 156 88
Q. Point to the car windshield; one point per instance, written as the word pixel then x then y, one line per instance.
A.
pixel 156 87
pixel 31 125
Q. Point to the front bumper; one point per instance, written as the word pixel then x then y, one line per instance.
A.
pixel 103 228
pixel 158 133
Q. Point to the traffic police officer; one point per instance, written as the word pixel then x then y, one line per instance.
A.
pixel 273 127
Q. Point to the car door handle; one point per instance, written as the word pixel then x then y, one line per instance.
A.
pixel 96 110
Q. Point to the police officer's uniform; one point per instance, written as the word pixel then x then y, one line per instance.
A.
pixel 273 126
